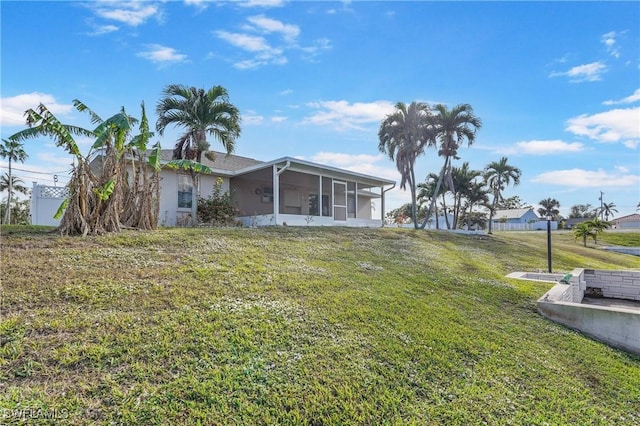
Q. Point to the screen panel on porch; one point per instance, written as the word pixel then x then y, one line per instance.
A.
pixel 339 200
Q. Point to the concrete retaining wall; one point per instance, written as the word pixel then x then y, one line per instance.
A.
pixel 617 327
pixel 615 284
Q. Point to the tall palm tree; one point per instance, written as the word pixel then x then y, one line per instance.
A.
pixel 476 194
pixel 403 136
pixel 499 174
pixel 608 209
pixel 14 151
pixel 201 113
pixel 462 178
pixel 451 127
pixel 426 191
pixel 549 208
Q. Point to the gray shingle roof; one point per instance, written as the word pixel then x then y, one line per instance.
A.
pixel 222 161
pixel 510 214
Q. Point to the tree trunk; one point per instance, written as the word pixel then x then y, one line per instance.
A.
pixel 7 213
pixel 414 208
pixel 435 193
pixel 491 212
pixel 444 209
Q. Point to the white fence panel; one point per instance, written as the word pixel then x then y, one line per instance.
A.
pixel 45 201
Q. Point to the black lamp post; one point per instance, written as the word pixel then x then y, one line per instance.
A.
pixel 549 217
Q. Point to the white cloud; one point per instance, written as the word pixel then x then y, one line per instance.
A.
pixel 579 178
pixel 609 40
pixel 162 54
pixel 616 125
pixel 289 32
pixel 278 119
pixel 103 29
pixel 341 160
pixel 264 53
pixel 132 13
pixel 312 51
pixel 344 115
pixel 198 4
pixel 274 38
pixel 246 42
pixel 582 73
pixel 543 147
pixel 252 118
pixel 632 144
pixel 635 97
pixel 260 3
pixel 285 92
pixel 13 107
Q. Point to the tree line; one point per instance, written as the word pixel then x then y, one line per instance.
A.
pixel 467 195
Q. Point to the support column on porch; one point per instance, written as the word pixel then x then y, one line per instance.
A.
pixel 320 195
pixel 276 194
pixel 382 204
pixel 355 194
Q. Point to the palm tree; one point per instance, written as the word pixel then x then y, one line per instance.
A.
pixel 451 128
pixel 499 174
pixel 14 151
pixel 201 113
pixel 597 226
pixel 583 230
pixel 608 209
pixel 462 178
pixel 15 184
pixel 476 194
pixel 403 136
pixel 426 191
pixel 549 208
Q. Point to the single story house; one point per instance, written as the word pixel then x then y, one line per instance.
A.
pixel 628 221
pixel 286 190
pixel 571 222
pixel 519 220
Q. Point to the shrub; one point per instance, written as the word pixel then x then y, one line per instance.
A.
pixel 216 210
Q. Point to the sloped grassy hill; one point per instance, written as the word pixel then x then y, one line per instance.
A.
pixel 300 326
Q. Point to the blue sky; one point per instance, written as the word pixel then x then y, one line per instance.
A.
pixel 556 84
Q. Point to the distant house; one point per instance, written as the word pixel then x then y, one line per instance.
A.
pixel 286 190
pixel 519 220
pixel 573 221
pixel 624 222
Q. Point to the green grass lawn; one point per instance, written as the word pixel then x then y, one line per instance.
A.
pixel 317 326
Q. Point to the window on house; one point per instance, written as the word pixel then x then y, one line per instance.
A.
pixel 267 194
pixel 185 191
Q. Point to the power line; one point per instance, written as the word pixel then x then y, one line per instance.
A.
pixel 41 173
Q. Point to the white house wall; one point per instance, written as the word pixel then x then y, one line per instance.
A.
pixel 170 214
pixel 364 207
